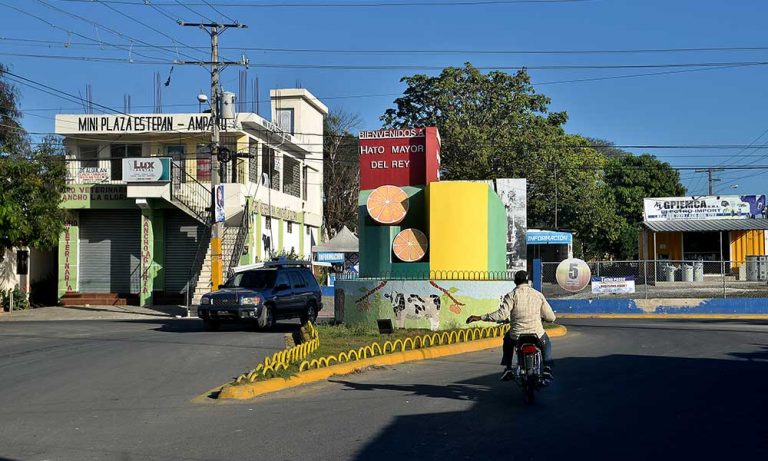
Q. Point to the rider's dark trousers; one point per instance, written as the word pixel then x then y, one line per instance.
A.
pixel 508 350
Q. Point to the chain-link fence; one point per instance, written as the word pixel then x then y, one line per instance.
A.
pixel 665 279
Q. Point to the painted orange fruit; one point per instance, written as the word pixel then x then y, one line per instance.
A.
pixel 387 205
pixel 410 245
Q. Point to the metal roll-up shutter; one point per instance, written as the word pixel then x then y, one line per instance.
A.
pixel 182 239
pixel 110 251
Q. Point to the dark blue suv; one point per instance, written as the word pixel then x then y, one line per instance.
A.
pixel 279 290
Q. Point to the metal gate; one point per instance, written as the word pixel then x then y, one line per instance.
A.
pixel 182 238
pixel 110 253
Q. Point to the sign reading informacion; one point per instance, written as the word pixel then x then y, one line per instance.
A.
pixel 399 157
pixel 147 169
pixel 704 207
pixel 548 238
pixel 329 257
pixel 613 285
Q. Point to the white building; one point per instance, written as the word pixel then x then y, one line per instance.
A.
pixel 140 200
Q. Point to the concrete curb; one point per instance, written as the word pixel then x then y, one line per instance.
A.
pixel 667 316
pixel 251 390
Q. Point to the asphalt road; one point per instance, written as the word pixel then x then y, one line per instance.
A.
pixel 625 389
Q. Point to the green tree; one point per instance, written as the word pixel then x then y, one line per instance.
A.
pixel 31 181
pixel 495 125
pixel 630 179
pixel 341 171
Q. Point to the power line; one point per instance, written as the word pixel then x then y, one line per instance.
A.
pixel 154 29
pixel 352 5
pixel 70 32
pixel 228 18
pixel 420 51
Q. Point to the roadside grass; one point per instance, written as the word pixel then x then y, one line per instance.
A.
pixel 335 339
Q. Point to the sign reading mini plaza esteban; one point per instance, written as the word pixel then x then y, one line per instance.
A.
pixel 139 123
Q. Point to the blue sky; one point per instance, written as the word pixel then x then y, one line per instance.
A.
pixel 705 107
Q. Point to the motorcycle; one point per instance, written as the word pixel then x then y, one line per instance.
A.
pixel 528 373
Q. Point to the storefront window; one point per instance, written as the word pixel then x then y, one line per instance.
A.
pixel 120 151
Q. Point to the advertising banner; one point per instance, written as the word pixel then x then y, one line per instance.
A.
pixel 147 169
pixel 512 192
pixel 613 285
pixel 92 175
pixel 219 215
pixel 704 207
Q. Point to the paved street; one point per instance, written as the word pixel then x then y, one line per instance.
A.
pixel 628 389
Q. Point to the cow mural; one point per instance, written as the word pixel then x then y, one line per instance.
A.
pixel 414 307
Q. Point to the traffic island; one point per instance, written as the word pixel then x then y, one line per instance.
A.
pixel 296 366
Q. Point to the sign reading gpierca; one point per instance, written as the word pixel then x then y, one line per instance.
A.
pixel 573 275
pixel 704 207
pixel 147 169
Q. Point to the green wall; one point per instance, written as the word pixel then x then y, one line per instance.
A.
pixel 69 247
pixel 497 233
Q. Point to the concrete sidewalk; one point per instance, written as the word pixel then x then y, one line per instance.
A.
pixel 118 313
pixel 93 313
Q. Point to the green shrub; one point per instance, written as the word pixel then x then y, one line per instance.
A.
pixel 20 299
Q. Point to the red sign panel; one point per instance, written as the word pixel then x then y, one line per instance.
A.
pixel 399 157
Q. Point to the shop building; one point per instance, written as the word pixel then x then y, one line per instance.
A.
pixel 717 230
pixel 140 201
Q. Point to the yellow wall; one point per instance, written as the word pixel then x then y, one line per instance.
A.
pixel 669 245
pixel 746 243
pixel 458 226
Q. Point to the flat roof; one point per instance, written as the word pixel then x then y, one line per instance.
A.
pixel 707 225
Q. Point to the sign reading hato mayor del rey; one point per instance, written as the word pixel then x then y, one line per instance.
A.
pixel 399 157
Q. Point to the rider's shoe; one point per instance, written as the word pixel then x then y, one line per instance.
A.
pixel 546 373
pixel 508 375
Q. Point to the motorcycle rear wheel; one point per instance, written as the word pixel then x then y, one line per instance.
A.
pixel 530 393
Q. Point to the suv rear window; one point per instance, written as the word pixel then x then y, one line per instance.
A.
pixel 296 280
pixel 308 277
pixel 253 280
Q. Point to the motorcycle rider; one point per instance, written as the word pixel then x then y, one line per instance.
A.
pixel 524 307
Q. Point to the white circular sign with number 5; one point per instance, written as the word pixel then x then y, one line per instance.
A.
pixel 573 275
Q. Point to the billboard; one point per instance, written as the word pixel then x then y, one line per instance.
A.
pixel 704 207
pixel 147 169
pixel 399 157
pixel 513 195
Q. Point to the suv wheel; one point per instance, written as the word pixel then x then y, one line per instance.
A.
pixel 310 314
pixel 267 318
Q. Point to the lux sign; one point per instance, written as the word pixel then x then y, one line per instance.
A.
pixel 147 169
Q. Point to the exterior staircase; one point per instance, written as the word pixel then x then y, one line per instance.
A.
pixel 194 198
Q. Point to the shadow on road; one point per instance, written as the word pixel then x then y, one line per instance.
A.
pixel 611 407
pixel 195 326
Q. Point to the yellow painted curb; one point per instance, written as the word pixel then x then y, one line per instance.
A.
pixel 251 390
pixel 666 316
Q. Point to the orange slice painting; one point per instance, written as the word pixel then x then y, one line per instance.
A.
pixel 387 205
pixel 410 245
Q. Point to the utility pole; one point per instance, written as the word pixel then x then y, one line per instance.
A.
pixel 709 172
pixel 217 231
